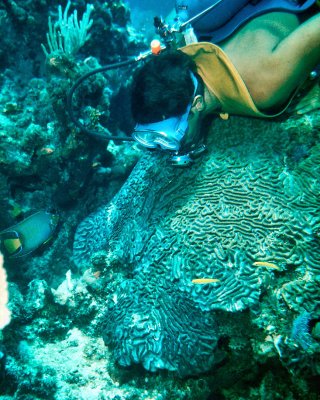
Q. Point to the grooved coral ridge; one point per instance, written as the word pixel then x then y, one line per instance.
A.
pixel 252 197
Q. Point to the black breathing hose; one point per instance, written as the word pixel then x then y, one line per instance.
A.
pixel 75 86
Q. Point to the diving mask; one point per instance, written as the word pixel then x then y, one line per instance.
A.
pixel 166 134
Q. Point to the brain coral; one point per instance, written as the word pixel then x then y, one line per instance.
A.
pixel 160 328
pixel 250 198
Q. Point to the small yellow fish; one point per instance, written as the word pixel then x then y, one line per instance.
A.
pixel 265 264
pixel 224 116
pixel 203 281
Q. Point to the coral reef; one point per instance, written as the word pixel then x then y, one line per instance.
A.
pixel 246 216
pixel 248 200
pixel 45 163
pixel 135 285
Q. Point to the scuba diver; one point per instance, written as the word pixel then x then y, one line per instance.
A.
pixel 252 58
pixel 220 57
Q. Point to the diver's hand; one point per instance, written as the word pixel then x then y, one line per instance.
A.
pixel 310 102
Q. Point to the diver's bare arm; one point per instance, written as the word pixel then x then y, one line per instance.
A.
pixel 295 56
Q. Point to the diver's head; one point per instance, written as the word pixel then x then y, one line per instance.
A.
pixel 162 87
pixel 167 102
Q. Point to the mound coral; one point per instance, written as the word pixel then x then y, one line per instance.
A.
pixel 244 207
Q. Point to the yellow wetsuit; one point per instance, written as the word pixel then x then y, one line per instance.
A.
pixel 223 80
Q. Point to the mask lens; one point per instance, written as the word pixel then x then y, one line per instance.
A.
pixel 153 139
pixel 166 134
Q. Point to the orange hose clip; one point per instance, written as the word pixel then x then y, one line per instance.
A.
pixel 155 47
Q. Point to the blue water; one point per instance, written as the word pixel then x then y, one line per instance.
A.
pixel 155 6
pixel 143 12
